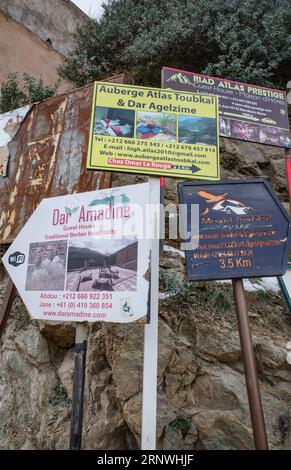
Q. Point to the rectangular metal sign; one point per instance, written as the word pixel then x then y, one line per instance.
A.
pixel 242 230
pixel 84 257
pixel 153 131
pixel 246 112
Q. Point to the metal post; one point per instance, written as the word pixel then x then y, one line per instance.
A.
pixel 78 387
pixel 162 220
pixel 288 173
pixel 150 355
pixel 254 397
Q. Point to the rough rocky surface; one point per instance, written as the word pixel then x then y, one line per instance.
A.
pixel 202 400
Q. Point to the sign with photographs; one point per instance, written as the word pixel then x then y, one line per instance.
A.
pixel 246 112
pixel 153 131
pixel 242 230
pixel 84 257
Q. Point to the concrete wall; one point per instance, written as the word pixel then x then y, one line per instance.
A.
pixel 55 20
pixel 22 51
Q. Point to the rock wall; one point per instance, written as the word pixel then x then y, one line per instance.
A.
pixel 202 400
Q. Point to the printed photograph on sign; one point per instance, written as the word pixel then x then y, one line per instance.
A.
pixel 114 122
pixel 224 127
pixel 102 265
pixel 273 136
pixel 244 131
pixel 46 267
pixel 156 126
pixel 195 130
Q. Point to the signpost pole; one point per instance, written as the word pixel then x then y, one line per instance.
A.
pixel 162 199
pixel 150 357
pixel 78 386
pixel 288 172
pixel 254 397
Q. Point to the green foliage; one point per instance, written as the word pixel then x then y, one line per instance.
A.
pixel 248 41
pixel 217 296
pixel 175 286
pixel 11 96
pixel 181 423
pixel 60 398
pixel 33 90
pixel 228 162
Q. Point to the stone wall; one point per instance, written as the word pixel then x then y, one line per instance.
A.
pixel 202 400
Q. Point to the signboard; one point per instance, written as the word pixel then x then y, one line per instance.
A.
pixel 243 230
pixel 83 257
pixel 153 131
pixel 9 125
pixel 247 112
pixel 285 284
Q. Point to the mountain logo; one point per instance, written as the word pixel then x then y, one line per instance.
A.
pixel 180 77
pixel 70 211
pixel 110 200
pixel 221 203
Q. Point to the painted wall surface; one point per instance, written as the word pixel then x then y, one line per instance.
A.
pixel 23 51
pixel 55 20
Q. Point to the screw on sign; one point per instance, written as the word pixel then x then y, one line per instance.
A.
pixel 243 230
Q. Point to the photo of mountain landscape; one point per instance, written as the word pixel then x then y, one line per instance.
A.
pixel 197 130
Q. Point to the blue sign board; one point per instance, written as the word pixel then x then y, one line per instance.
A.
pixel 243 230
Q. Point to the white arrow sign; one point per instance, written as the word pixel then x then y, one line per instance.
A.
pixel 84 257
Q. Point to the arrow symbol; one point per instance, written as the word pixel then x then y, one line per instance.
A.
pixel 194 168
pixel 242 117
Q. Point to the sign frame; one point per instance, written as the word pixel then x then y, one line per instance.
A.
pixel 235 101
pixel 141 164
pixel 268 271
pixel 67 271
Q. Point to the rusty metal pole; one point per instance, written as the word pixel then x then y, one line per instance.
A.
pixel 254 397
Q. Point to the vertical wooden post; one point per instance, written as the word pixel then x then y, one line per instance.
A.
pixel 78 386
pixel 254 397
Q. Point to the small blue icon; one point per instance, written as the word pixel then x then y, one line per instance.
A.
pixel 126 307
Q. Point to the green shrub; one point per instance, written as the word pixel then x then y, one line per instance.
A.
pixel 34 90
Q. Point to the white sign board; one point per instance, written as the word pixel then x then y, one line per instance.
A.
pixel 285 283
pixel 84 257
